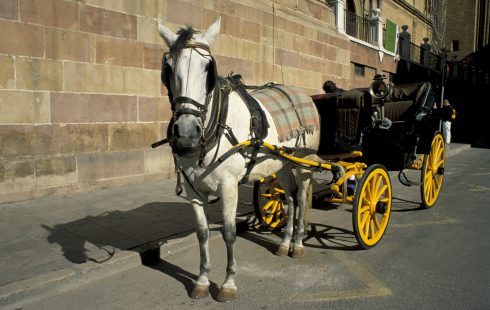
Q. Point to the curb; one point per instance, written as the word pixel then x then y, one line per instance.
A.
pixel 22 292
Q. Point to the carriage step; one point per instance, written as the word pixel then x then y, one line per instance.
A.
pixel 402 177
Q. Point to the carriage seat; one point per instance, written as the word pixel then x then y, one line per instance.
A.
pixel 403 103
pixel 341 115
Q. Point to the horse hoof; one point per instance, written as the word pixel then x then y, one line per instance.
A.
pixel 200 291
pixel 282 251
pixel 226 294
pixel 298 252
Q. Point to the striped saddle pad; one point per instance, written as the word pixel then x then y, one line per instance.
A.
pixel 291 108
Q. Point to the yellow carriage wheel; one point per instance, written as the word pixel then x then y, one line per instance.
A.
pixel 372 206
pixel 433 172
pixel 269 203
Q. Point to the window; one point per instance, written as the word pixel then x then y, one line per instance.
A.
pixel 455 45
pixel 359 70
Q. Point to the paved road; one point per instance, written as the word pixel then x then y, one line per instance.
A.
pixel 428 259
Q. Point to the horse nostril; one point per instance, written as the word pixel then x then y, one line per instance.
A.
pixel 197 132
pixel 175 130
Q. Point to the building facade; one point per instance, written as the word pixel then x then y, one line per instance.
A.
pixel 80 93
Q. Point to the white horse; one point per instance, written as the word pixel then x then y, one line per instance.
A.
pixel 189 72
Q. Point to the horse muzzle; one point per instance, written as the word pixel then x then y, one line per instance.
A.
pixel 187 132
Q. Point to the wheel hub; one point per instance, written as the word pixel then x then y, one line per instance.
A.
pixel 381 207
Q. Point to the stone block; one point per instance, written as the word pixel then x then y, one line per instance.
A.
pixel 295 28
pixel 149 8
pixel 65 44
pixel 16 175
pixel 148 31
pixel 11 169
pixel 263 73
pixel 7 72
pixel 311 63
pixel 81 77
pixel 97 166
pixel 153 55
pixel 65 107
pixel 55 165
pixel 142 82
pixel 24 107
pixel 154 109
pixel 287 58
pixel 105 22
pixel 249 13
pixel 39 74
pixel 132 136
pixel 55 13
pixel 109 108
pixel 224 6
pixel 9 9
pixel 119 52
pixel 158 160
pixel 21 39
pixel 77 138
pixel 56 171
pixel 184 13
pixel 28 140
pixel 237 65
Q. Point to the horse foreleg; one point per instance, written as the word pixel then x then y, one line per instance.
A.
pixel 201 287
pixel 229 198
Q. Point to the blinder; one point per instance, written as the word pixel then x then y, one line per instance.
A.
pixel 167 71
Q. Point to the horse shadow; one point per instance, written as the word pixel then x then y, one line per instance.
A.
pixel 143 230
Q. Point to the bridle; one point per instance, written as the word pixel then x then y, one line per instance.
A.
pixel 177 103
pixel 180 105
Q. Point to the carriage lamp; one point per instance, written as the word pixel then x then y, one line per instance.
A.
pixel 379 90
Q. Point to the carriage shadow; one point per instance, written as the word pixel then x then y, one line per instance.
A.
pixel 400 205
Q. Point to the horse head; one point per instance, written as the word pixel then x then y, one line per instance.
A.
pixel 189 73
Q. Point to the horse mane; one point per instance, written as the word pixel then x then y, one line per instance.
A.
pixel 185 34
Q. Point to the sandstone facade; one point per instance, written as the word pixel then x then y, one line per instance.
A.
pixel 80 92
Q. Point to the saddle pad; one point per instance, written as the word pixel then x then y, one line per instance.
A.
pixel 292 114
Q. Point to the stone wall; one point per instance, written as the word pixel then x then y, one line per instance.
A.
pixel 80 92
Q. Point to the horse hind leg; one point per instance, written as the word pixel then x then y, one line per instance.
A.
pixel 201 287
pixel 229 198
pixel 287 183
pixel 303 180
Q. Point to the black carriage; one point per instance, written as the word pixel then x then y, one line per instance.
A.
pixel 365 133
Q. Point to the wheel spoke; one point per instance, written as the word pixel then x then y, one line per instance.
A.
pixel 270 217
pixel 371 228
pixel 365 202
pixel 266 195
pixel 364 219
pixel 366 225
pixel 364 209
pixel 279 190
pixel 381 192
pixel 267 205
pixel 377 223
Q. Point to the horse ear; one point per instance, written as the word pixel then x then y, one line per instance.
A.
pixel 210 35
pixel 166 33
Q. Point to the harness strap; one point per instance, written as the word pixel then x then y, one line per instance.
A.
pixel 258 121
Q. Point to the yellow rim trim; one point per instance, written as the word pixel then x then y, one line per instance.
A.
pixel 432 180
pixel 371 224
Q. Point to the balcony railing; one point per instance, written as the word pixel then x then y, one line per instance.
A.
pixel 360 28
pixel 363 28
